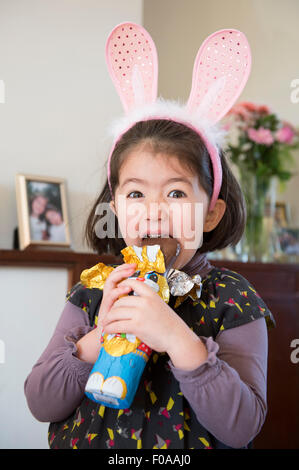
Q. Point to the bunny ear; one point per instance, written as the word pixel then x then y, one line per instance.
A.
pixel 221 70
pixel 132 62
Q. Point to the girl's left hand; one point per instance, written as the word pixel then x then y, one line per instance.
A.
pixel 146 316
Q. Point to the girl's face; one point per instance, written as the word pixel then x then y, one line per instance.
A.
pixel 157 195
pixel 54 217
pixel 38 205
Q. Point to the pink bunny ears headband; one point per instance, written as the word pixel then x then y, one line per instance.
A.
pixel 221 70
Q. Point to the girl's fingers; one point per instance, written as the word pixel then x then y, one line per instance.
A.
pixel 123 267
pixel 119 273
pixel 114 294
pixel 113 281
pixel 123 325
pixel 117 314
pixel 138 286
pixel 118 326
pixel 117 292
pixel 129 301
pixel 112 288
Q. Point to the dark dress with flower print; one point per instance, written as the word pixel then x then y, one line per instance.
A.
pixel 160 416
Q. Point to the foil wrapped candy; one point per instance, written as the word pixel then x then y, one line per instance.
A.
pixel 182 285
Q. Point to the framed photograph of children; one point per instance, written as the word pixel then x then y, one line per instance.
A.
pixel 289 240
pixel 281 214
pixel 42 211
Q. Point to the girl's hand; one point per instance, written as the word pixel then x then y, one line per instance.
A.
pixel 112 291
pixel 88 347
pixel 148 317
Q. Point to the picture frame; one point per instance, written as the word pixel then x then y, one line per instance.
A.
pixel 289 240
pixel 42 211
pixel 280 213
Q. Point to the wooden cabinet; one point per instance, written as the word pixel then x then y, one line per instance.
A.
pixel 73 262
pixel 277 284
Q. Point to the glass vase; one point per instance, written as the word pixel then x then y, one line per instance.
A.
pixel 258 242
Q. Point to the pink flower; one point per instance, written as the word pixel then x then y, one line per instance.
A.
pixel 245 109
pixel 263 109
pixel 260 136
pixel 252 107
pixel 285 135
pixel 255 108
pixel 239 110
pixel 226 127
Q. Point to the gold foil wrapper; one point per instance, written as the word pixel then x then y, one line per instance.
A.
pixel 144 265
pixel 118 345
pixel 96 276
pixel 147 259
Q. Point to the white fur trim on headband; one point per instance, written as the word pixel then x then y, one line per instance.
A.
pixel 172 110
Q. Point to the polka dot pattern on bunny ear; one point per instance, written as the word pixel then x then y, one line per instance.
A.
pixel 221 67
pixel 133 64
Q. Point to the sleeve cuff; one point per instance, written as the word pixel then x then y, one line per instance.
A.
pixel 80 368
pixel 207 371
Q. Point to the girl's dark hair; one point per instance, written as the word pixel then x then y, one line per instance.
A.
pixel 172 138
pixel 51 207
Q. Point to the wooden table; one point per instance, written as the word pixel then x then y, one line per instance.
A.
pixel 278 285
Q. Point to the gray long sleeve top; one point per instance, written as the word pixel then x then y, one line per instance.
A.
pixel 235 372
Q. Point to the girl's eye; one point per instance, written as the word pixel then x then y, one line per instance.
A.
pixel 138 194
pixel 178 192
pixel 135 192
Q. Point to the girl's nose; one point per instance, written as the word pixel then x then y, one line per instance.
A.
pixel 156 210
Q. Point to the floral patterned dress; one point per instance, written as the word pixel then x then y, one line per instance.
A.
pixel 160 417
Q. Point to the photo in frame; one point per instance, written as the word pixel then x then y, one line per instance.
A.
pixel 42 211
pixel 289 240
pixel 281 214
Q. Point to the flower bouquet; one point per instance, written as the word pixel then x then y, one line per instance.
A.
pixel 261 146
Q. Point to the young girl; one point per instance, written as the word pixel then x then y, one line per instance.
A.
pixel 205 384
pixel 38 226
pixel 56 227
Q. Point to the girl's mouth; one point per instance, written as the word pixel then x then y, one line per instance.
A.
pixel 157 235
pixel 169 246
pixel 161 240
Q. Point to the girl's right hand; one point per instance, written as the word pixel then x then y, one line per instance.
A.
pixel 88 347
pixel 112 291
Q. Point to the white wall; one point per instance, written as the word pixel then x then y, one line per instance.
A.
pixel 59 101
pixel 179 27
pixel 31 303
pixel 59 98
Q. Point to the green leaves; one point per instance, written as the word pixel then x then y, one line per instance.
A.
pixel 268 121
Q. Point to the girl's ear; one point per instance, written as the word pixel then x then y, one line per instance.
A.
pixel 213 217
